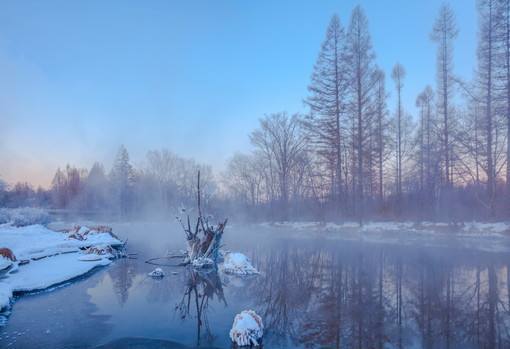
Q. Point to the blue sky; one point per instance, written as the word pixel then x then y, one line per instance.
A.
pixel 79 78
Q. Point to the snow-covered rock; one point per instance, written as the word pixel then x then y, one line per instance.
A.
pixel 247 329
pixel 237 263
pixel 157 273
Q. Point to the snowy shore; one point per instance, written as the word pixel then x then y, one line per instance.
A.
pixel 481 236
pixel 45 258
pixel 469 229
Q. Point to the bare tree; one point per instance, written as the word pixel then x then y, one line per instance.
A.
pixel 398 75
pixel 282 142
pixel 444 33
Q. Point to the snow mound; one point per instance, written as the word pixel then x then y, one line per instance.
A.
pixel 247 329
pixel 237 263
pixel 157 273
pixel 21 217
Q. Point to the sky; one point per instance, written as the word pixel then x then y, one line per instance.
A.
pixel 80 78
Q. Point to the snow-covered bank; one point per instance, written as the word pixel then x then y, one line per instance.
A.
pixel 472 229
pixel 46 257
pixel 490 237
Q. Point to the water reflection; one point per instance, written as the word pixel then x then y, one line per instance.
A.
pixel 200 288
pixel 311 293
pixel 375 297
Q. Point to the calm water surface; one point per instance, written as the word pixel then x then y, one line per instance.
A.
pixel 311 293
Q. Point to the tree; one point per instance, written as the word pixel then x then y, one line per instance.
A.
pixel 381 125
pixel 281 141
pixel 328 103
pixel 444 33
pixel 122 178
pixel 245 178
pixel 504 37
pixel 425 102
pixel 96 186
pixel 487 63
pixel 363 81
pixel 398 75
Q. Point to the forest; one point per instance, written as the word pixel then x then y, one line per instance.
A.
pixel 349 154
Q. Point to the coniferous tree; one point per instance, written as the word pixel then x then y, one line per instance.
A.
pixel 328 102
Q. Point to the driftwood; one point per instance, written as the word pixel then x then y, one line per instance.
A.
pixel 203 238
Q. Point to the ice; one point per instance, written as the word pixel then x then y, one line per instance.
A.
pixel 237 263
pixel 247 329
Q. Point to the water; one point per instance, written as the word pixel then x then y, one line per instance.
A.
pixel 312 292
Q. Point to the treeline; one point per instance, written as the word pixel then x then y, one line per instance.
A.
pixel 165 183
pixel 349 155
pixel 353 156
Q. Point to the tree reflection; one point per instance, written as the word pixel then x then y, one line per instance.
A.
pixel 378 297
pixel 122 274
pixel 201 287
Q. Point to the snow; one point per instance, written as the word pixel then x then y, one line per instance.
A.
pixel 202 262
pixel 24 216
pixel 472 229
pixel 4 263
pixel 157 273
pixel 237 263
pixel 53 257
pixel 247 329
pixel 37 241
